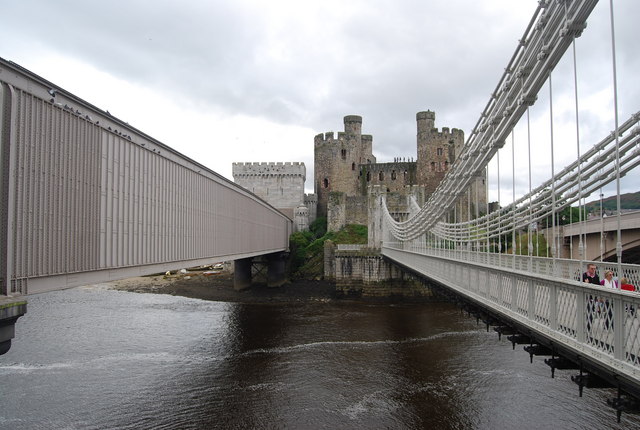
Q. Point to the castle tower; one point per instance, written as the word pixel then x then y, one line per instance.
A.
pixel 436 150
pixel 280 184
pixel 301 218
pixel 336 161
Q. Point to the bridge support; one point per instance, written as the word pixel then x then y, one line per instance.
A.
pixel 10 310
pixel 242 273
pixel 246 268
pixel 276 269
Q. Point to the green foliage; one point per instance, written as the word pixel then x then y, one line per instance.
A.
pixel 307 248
pixel 568 215
pixel 298 243
pixel 540 246
pixel 627 201
pixel 319 227
pixel 352 233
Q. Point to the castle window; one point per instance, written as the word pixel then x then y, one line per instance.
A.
pixel 353 166
pixel 368 176
pixel 404 175
pixel 343 154
pixel 393 175
pixel 439 151
pixel 433 166
pixel 325 183
pixel 446 165
pixel 381 176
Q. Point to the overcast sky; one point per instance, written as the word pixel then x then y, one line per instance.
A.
pixel 241 80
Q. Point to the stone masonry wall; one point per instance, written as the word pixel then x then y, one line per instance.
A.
pixel 393 176
pixel 369 275
pixel 280 184
pixel 343 210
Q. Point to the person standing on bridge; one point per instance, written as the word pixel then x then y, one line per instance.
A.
pixel 591 276
pixel 625 285
pixel 608 281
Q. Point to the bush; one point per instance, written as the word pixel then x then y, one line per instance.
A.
pixel 307 248
pixel 319 227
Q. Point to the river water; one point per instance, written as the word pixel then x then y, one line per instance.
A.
pixel 95 358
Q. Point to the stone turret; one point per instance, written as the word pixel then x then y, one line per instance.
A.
pixel 353 125
pixel 436 150
pixel 337 160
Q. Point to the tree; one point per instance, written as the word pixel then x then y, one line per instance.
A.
pixel 538 241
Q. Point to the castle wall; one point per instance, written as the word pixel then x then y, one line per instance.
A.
pixel 336 211
pixel 343 210
pixel 280 184
pixel 393 177
pixel 311 202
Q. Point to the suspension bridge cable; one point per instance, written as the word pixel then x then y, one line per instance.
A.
pixel 529 238
pixel 575 87
pixel 554 251
pixel 617 134
pixel 513 224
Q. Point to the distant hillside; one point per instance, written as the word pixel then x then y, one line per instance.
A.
pixel 627 201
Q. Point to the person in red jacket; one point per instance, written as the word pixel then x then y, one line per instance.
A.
pixel 625 285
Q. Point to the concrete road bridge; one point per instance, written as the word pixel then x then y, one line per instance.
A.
pixel 599 237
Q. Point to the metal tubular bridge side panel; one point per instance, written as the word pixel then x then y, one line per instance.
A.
pixel 87 194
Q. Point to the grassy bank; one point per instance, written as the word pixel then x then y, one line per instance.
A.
pixel 307 247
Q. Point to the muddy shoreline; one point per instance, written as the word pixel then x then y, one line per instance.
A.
pixel 219 287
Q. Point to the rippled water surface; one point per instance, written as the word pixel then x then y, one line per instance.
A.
pixel 93 358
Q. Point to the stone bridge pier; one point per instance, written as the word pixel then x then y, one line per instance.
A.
pixel 11 308
pixel 270 268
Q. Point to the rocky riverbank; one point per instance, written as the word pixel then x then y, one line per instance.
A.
pixel 219 287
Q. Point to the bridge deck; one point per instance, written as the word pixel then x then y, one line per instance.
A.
pixel 599 326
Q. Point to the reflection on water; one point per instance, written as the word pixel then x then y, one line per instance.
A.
pixel 95 358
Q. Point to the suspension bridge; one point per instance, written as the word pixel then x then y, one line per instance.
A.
pixel 534 292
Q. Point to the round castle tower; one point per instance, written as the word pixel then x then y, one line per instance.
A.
pixel 336 161
pixel 436 150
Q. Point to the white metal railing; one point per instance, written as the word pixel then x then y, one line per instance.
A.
pixel 553 268
pixel 350 247
pixel 601 324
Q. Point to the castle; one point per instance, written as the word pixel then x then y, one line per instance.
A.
pixel 346 173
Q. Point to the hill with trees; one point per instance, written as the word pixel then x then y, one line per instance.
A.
pixel 627 201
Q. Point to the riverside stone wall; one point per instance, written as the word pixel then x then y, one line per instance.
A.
pixel 366 274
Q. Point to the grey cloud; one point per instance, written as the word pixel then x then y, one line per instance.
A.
pixel 386 62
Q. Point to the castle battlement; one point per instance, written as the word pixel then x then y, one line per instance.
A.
pixel 445 132
pixel 267 163
pixel 288 168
